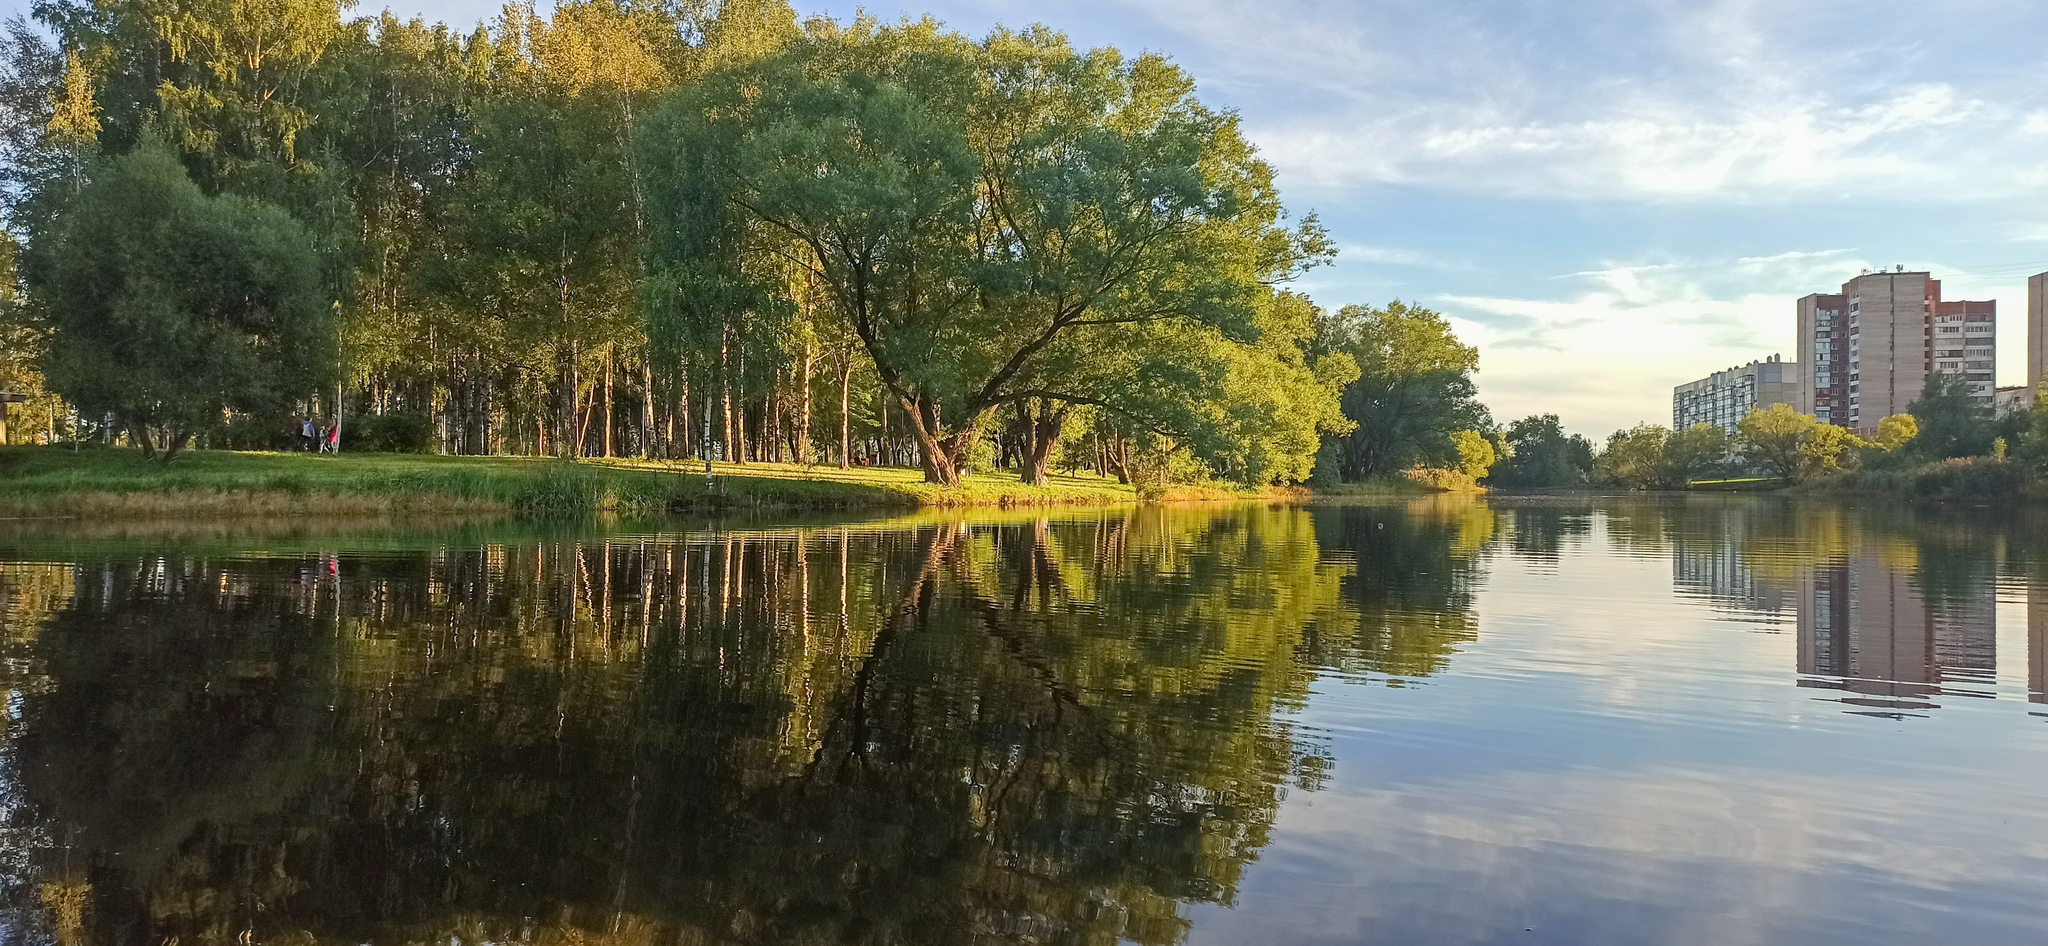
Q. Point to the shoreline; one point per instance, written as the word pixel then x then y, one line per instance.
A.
pixel 54 484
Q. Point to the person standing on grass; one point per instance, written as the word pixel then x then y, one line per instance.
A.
pixel 306 441
pixel 334 438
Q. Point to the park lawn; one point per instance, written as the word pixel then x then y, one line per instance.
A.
pixel 55 481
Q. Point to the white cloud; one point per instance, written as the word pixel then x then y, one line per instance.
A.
pixel 1607 356
pixel 1397 256
pixel 1738 99
pixel 1668 147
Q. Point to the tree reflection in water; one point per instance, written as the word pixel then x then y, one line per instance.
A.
pixel 1029 731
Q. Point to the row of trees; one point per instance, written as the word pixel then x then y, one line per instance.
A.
pixel 683 229
pixel 1946 422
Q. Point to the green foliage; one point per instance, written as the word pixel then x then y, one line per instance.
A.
pixel 1897 431
pixel 1783 443
pixel 21 346
pixel 1651 457
pixel 1540 455
pixel 1695 453
pixel 1769 439
pixel 1413 393
pixel 395 432
pixel 679 224
pixel 1441 480
pixel 1635 457
pixel 1952 421
pixel 168 308
pixel 995 221
pixel 2034 443
pixel 1826 449
pixel 980 456
pixel 1476 455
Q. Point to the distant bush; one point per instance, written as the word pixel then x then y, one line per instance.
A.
pixel 1441 480
pixel 1972 479
pixel 395 432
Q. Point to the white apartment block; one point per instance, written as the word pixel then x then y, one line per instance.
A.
pixel 1724 398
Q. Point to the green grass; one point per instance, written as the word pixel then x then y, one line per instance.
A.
pixel 54 481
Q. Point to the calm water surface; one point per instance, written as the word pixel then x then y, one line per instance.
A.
pixel 1527 721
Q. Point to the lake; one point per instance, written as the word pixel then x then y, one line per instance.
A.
pixel 1543 720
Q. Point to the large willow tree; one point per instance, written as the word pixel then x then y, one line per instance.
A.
pixel 995 221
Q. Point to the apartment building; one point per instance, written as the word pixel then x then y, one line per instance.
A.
pixel 1724 398
pixel 1869 349
pixel 2037 334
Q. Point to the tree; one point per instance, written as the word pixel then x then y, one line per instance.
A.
pixel 1897 431
pixel 1690 454
pixel 170 309
pixel 1826 448
pixel 1651 457
pixel 1953 422
pixel 1414 390
pixel 21 345
pixel 2034 444
pixel 1475 453
pixel 970 242
pixel 1635 457
pixel 1540 455
pixel 1769 439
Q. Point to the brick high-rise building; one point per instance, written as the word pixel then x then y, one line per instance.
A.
pixel 2037 334
pixel 1866 352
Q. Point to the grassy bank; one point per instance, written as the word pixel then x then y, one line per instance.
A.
pixel 48 481
pixel 1981 480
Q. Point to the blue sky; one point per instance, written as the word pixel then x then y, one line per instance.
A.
pixel 1611 197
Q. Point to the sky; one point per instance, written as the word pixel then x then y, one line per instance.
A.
pixel 1609 197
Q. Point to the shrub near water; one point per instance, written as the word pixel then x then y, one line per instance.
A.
pixel 396 432
pixel 1971 479
pixel 1445 481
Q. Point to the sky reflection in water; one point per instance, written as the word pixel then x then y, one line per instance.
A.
pixel 1530 721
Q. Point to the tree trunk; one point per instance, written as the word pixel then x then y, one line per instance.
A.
pixel 732 424
pixel 1040 434
pixel 678 441
pixel 175 442
pixel 608 420
pixel 139 433
pixel 1119 455
pixel 845 413
pixel 938 452
pixel 647 427
pixel 739 431
pixel 773 418
pixel 586 408
pixel 567 443
pixel 803 423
